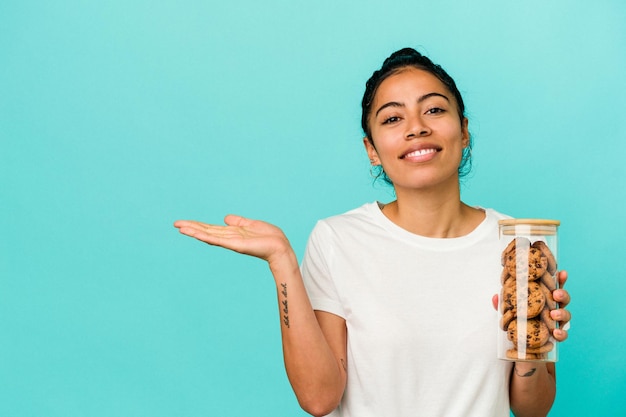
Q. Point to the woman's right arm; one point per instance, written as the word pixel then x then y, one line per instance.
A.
pixel 314 343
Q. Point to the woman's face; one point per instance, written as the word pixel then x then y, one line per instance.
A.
pixel 416 132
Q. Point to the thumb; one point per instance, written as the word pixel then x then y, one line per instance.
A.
pixel 234 220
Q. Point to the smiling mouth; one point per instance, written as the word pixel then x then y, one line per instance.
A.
pixel 420 152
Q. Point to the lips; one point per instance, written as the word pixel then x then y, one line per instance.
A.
pixel 420 152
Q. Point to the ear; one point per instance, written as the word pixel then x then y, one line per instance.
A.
pixel 371 151
pixel 465 136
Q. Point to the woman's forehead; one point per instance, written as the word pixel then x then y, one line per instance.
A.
pixel 409 81
pixel 411 76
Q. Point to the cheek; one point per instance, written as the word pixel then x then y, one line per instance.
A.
pixel 384 141
pixel 384 152
pixel 456 136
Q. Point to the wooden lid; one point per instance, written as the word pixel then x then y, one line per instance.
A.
pixel 534 227
pixel 530 222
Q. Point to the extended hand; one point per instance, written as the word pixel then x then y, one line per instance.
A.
pixel 242 235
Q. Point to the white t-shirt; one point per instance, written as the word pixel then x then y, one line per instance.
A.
pixel 421 326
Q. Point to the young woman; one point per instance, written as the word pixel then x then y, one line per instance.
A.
pixel 391 312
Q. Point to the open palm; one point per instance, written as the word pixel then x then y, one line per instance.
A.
pixel 242 235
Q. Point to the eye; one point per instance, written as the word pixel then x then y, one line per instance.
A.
pixel 390 120
pixel 435 110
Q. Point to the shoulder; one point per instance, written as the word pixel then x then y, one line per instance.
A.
pixel 494 215
pixel 358 220
pixel 489 226
pixel 363 214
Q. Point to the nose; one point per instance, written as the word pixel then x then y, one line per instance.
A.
pixel 417 127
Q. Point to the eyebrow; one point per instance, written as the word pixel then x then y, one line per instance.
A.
pixel 419 100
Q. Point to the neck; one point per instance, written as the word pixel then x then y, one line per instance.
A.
pixel 431 213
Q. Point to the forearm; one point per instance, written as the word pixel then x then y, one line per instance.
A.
pixel 314 371
pixel 314 358
pixel 532 389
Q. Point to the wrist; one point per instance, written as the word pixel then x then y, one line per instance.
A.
pixel 284 263
pixel 524 372
pixel 527 369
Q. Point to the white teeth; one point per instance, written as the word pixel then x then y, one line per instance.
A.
pixel 420 152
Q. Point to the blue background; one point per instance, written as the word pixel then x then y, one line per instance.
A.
pixel 119 117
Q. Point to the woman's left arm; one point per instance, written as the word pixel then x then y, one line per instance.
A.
pixel 533 384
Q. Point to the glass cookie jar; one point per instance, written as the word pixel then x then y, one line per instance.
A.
pixel 529 268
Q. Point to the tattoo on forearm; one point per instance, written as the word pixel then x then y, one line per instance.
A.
pixel 285 305
pixel 527 374
pixel 285 313
pixel 343 363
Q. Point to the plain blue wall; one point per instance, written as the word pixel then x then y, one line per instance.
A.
pixel 119 117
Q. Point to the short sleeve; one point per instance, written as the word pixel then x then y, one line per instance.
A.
pixel 317 271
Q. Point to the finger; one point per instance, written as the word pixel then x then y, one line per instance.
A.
pixel 199 229
pixel 561 315
pixel 494 301
pixel 222 236
pixel 196 231
pixel 234 220
pixel 189 223
pixel 561 277
pixel 561 296
pixel 560 334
